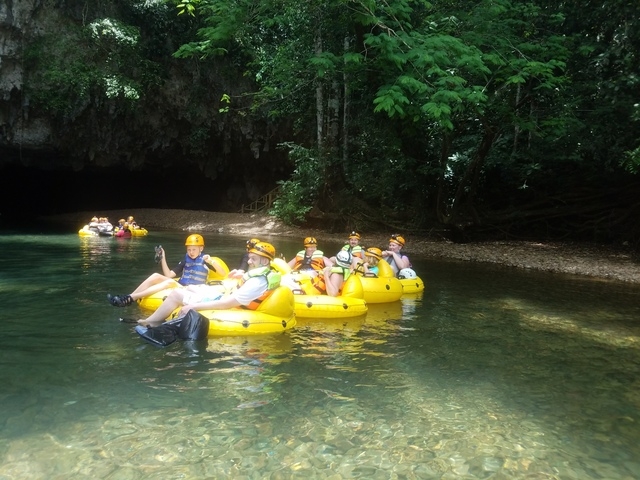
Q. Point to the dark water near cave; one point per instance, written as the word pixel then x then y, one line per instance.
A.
pixel 491 373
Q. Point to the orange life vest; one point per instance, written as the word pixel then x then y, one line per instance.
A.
pixel 320 285
pixel 315 262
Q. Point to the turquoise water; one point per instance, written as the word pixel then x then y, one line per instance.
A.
pixel 491 373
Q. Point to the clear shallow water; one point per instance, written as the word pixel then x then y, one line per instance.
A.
pixel 492 373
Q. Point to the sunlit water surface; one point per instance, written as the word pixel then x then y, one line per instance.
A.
pixel 492 373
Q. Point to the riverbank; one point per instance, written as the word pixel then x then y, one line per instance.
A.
pixel 619 263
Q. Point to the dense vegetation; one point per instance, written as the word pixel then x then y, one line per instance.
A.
pixel 520 118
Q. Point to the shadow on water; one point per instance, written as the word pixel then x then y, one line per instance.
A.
pixel 491 373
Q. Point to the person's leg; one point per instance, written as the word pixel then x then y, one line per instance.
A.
pixel 154 288
pixel 153 279
pixel 173 301
pixel 153 284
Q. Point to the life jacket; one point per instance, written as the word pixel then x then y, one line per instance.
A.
pixel 314 262
pixel 354 251
pixel 273 282
pixel 320 285
pixel 359 270
pixel 195 271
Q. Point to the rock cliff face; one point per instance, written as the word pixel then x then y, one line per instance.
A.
pixel 20 22
pixel 52 117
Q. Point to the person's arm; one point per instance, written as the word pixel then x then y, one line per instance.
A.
pixel 244 263
pixel 236 273
pixel 249 291
pixel 365 267
pixel 402 261
pixel 166 271
pixel 213 264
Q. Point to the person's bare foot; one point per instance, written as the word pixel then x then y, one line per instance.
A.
pixel 147 323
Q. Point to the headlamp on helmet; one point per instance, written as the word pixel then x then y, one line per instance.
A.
pixel 264 249
pixel 310 242
pixel 399 239
pixel 251 243
pixel 354 235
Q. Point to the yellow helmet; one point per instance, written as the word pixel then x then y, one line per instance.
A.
pixel 374 252
pixel 399 239
pixel 264 249
pixel 195 240
pixel 251 243
pixel 310 242
pixel 354 235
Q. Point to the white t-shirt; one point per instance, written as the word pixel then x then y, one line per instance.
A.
pixel 253 288
pixel 247 293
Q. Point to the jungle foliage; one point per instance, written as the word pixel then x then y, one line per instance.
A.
pixel 489 115
pixel 494 116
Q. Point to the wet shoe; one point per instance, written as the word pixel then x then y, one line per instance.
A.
pixel 120 300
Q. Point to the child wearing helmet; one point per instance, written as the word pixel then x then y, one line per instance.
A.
pixel 394 256
pixel 310 259
pixel 191 270
pixel 254 287
pixel 369 268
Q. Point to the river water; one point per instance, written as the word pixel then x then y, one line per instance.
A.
pixel 491 373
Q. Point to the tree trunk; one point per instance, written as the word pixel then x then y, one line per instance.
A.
pixel 469 181
pixel 345 108
pixel 319 98
pixel 333 107
pixel 443 192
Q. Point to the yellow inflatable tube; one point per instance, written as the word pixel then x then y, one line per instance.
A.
pixel 384 288
pixel 324 306
pixel 139 232
pixel 86 232
pixel 152 302
pixel 409 285
pixel 412 285
pixel 135 232
pixel 350 304
pixel 274 315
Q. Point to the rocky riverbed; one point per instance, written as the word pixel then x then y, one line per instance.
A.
pixel 620 263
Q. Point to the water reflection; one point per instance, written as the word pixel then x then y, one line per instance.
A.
pixel 490 373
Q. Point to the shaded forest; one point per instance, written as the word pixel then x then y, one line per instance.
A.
pixel 483 119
